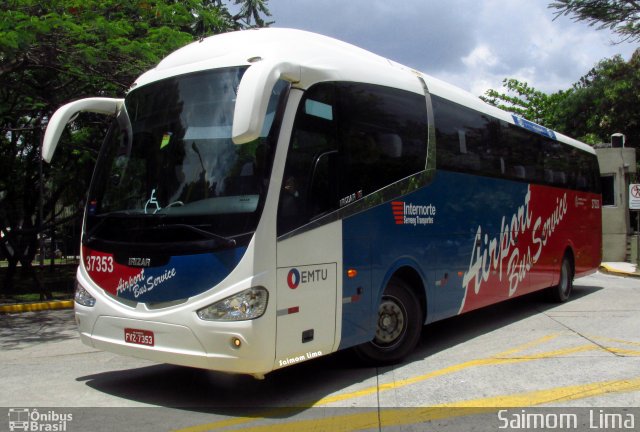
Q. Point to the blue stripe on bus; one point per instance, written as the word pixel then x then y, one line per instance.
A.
pixel 184 276
pixel 431 230
pixel 534 127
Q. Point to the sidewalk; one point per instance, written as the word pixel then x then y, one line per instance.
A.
pixel 620 268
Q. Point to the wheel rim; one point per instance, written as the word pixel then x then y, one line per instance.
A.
pixel 565 285
pixel 391 322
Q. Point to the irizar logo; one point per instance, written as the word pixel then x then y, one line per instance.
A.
pixel 406 213
pixel 139 262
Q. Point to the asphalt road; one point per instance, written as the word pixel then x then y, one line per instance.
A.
pixel 578 361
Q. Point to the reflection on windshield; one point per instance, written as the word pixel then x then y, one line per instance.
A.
pixel 170 155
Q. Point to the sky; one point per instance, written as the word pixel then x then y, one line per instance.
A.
pixel 473 44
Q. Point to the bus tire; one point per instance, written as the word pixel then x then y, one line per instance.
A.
pixel 561 292
pixel 398 328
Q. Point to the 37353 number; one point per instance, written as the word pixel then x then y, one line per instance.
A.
pixel 102 264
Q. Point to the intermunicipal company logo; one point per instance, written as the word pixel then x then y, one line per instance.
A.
pixel 293 278
pixel 308 275
pixel 27 419
pixel 398 211
pixel 405 213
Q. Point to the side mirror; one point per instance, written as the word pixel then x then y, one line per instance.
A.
pixel 66 113
pixel 253 97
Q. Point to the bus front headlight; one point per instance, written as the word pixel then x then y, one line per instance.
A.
pixel 246 305
pixel 83 297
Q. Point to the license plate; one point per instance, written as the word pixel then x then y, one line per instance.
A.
pixel 138 337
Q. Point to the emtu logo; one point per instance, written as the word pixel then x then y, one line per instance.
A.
pixel 293 278
pixel 398 211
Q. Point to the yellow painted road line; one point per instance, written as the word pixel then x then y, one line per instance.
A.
pixel 403 416
pixel 625 352
pixel 558 353
pixel 527 345
pixel 553 395
pixel 360 393
pixel 413 380
pixel 619 351
pixel 452 369
pixel 614 340
pixel 416 379
pixel 277 412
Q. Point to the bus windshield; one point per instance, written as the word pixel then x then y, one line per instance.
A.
pixel 169 173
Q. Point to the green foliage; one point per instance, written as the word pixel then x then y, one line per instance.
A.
pixel 604 101
pixel 251 10
pixel 59 50
pixel 525 101
pixel 620 16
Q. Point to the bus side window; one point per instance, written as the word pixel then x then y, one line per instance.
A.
pixel 349 140
pixel 382 137
pixel 467 141
pixel 309 183
pixel 323 186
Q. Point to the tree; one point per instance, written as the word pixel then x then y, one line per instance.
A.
pixel 620 16
pixel 55 51
pixel 604 101
pixel 524 100
pixel 252 10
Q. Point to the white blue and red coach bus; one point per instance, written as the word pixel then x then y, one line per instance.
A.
pixel 266 197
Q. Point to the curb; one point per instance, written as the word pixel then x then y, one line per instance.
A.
pixel 32 307
pixel 613 271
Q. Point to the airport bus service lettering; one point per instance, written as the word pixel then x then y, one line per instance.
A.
pixel 139 285
pixel 490 254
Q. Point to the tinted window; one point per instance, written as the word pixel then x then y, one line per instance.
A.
pixel 472 142
pixel 312 149
pixel 383 135
pixel 169 172
pixel 466 140
pixel 349 140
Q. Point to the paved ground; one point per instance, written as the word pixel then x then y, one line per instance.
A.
pixel 581 357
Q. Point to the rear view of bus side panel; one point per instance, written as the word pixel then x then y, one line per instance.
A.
pixel 506 206
pixel 473 241
pixel 433 231
pixel 564 184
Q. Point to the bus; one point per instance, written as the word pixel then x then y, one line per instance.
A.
pixel 267 197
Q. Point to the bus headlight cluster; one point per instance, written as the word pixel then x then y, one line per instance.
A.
pixel 83 297
pixel 246 305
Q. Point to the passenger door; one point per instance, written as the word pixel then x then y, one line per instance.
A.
pixel 309 245
pixel 307 294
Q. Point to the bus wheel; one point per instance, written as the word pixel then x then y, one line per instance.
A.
pixel 399 323
pixel 561 292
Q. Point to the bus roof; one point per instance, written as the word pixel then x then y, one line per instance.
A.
pixel 321 58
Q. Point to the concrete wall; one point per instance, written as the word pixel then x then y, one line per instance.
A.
pixel 619 162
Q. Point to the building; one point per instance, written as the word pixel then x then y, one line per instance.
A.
pixel 617 165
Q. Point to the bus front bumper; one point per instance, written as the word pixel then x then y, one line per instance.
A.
pixel 236 347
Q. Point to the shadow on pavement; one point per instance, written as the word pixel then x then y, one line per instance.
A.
pixel 294 389
pixel 24 329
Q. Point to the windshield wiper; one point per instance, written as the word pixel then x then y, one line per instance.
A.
pixel 226 241
pixel 103 217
